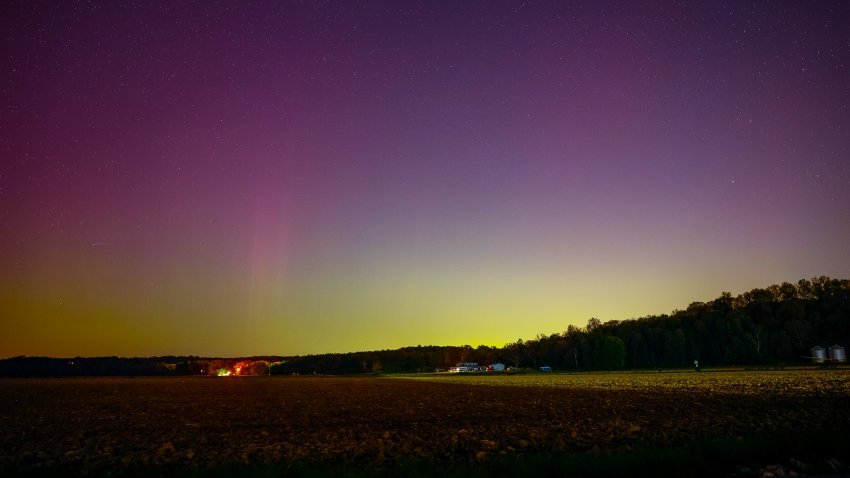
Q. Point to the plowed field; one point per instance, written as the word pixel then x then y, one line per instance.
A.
pixel 102 425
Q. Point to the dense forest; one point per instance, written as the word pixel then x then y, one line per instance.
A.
pixel 771 326
pixel 778 324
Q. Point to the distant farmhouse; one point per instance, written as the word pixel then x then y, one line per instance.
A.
pixel 462 367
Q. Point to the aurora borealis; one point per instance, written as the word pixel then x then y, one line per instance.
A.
pixel 238 178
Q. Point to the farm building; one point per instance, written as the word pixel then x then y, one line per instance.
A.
pixel 546 369
pixel 496 367
pixel 837 354
pixel 466 367
pixel 818 354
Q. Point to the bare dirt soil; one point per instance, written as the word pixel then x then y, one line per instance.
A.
pixel 105 425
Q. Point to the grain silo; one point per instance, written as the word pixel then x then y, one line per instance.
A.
pixel 818 354
pixel 837 354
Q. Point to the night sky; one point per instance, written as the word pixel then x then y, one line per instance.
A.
pixel 239 178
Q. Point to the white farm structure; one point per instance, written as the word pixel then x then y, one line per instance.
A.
pixel 466 367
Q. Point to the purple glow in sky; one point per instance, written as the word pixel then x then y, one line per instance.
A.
pixel 236 178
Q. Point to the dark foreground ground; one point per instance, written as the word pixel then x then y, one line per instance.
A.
pixel 700 424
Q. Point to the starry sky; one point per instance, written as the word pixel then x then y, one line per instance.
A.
pixel 236 178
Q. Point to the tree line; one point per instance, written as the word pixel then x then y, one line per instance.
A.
pixel 775 325
pixel 778 324
pixel 132 366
